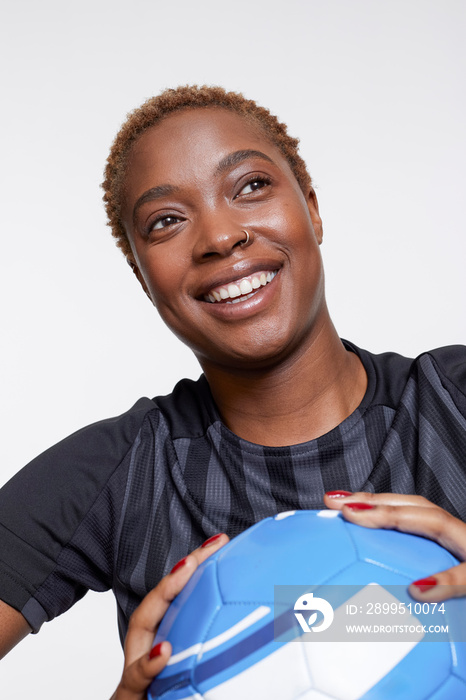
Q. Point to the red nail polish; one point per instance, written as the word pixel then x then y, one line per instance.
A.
pixel 358 506
pixel 211 540
pixel 425 584
pixel 177 566
pixel 338 494
pixel 156 650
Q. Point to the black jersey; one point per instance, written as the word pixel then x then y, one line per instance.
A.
pixel 118 503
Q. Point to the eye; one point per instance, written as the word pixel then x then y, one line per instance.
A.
pixel 164 221
pixel 256 183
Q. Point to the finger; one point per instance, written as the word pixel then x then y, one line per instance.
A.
pixel 145 620
pixel 431 522
pixel 337 499
pixel 138 675
pixel 210 546
pixel 450 583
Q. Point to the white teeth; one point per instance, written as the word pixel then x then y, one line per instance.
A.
pixel 245 287
pixel 235 301
pixel 240 291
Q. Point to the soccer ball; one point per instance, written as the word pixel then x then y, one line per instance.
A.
pixel 270 616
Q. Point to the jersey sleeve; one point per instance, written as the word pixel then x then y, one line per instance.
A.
pixel 59 518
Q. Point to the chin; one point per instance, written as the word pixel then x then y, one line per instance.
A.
pixel 250 354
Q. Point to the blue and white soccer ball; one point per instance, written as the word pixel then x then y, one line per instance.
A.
pixel 230 642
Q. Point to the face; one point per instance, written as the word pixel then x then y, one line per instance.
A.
pixel 195 184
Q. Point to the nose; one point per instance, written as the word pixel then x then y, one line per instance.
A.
pixel 219 239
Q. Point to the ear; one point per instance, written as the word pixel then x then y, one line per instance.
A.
pixel 139 277
pixel 313 207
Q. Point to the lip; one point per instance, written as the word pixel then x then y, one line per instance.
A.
pixel 243 268
pixel 248 307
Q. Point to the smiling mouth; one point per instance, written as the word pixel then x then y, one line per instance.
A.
pixel 241 289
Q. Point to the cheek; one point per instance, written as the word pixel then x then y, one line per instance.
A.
pixel 163 273
pixel 291 225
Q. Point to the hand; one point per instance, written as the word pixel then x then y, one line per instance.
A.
pixel 417 515
pixel 141 664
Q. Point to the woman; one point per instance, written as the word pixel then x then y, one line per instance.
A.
pixel 215 212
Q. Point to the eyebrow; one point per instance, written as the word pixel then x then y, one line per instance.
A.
pixel 154 193
pixel 237 157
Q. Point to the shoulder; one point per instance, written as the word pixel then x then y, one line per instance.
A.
pixel 444 369
pixel 92 453
pixel 189 410
pixel 451 363
pixel 105 441
pixel 73 471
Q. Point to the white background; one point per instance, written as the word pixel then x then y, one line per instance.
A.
pixel 376 92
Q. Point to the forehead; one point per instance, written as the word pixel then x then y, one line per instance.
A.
pixel 185 142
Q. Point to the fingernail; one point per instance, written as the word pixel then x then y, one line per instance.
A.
pixel 425 584
pixel 338 494
pixel 177 566
pixel 211 540
pixel 358 506
pixel 156 650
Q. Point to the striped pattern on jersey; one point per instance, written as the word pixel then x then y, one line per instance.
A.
pixel 187 477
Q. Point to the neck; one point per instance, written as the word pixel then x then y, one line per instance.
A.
pixel 294 401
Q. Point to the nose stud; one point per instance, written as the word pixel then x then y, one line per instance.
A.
pixel 247 238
